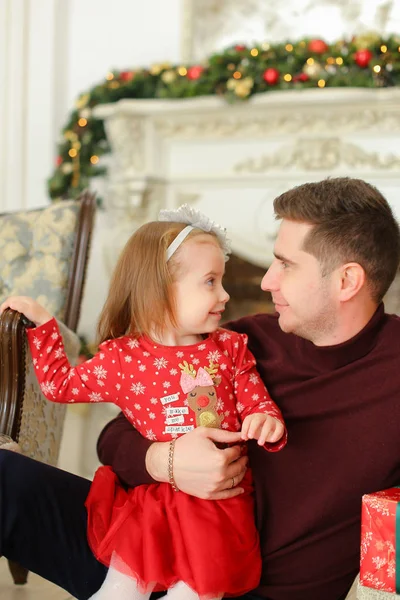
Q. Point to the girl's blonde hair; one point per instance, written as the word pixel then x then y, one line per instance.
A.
pixel 141 299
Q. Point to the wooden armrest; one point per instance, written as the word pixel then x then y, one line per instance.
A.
pixel 12 370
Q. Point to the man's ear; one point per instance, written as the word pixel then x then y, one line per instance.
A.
pixel 352 279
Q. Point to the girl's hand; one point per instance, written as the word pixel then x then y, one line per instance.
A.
pixel 28 307
pixel 263 428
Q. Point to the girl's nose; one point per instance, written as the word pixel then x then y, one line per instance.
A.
pixel 225 296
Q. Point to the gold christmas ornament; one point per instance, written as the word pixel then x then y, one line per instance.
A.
pixel 313 70
pixel 85 113
pixel 66 168
pixel 155 69
pixel 243 87
pixel 169 76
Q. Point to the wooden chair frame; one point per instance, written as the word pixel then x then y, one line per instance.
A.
pixel 13 339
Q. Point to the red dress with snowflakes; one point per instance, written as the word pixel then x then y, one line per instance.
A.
pixel 158 535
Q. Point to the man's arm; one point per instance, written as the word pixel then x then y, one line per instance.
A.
pixel 200 468
pixel 124 449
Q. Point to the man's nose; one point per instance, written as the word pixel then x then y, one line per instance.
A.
pixel 270 281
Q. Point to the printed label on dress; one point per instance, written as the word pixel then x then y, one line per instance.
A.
pixel 178 428
pixel 177 410
pixel 170 398
pixel 175 420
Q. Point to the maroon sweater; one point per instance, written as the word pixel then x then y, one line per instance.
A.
pixel 342 410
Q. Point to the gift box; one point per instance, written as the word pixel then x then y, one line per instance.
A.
pixel 380 541
pixel 367 593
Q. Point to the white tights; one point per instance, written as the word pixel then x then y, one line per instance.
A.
pixel 118 586
pixel 181 591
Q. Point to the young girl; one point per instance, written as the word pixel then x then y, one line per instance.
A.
pixel 169 367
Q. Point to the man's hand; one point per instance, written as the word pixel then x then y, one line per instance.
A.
pixel 28 307
pixel 263 428
pixel 200 468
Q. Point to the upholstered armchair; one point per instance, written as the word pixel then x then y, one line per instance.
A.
pixel 43 254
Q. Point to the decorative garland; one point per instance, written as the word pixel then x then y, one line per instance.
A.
pixel 236 73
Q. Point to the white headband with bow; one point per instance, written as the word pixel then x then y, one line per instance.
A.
pixel 194 220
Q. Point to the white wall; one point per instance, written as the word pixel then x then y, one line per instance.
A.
pixel 103 35
pixel 28 50
pixel 120 34
pixel 50 52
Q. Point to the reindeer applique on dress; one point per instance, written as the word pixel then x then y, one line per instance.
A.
pixel 201 393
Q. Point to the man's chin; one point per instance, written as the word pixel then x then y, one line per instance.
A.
pixel 285 324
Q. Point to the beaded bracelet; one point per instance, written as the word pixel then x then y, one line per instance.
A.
pixel 171 465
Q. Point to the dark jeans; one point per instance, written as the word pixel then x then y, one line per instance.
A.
pixel 43 524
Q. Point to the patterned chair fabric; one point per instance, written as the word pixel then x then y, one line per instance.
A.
pixel 39 251
pixel 42 421
pixel 36 249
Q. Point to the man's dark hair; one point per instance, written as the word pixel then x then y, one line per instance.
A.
pixel 352 221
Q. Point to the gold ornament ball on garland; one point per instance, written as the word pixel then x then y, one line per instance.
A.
pixel 243 87
pixel 169 76
pixel 313 70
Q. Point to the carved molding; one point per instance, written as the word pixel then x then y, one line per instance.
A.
pixel 127 137
pixel 310 154
pixel 287 121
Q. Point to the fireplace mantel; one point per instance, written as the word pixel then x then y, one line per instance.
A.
pixel 232 160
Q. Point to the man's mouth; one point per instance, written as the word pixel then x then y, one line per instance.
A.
pixel 279 304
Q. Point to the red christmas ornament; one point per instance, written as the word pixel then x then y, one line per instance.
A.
pixel 362 57
pixel 240 47
pixel 271 76
pixel 301 77
pixel 317 46
pixel 59 160
pixel 194 72
pixel 126 75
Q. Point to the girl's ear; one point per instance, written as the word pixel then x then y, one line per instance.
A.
pixel 352 279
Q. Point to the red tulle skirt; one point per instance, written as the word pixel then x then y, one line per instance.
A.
pixel 161 537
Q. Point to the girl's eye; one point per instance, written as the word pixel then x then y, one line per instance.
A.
pixel 211 281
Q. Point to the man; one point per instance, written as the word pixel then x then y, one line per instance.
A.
pixel 331 362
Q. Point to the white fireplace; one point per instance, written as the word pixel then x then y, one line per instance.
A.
pixel 230 161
